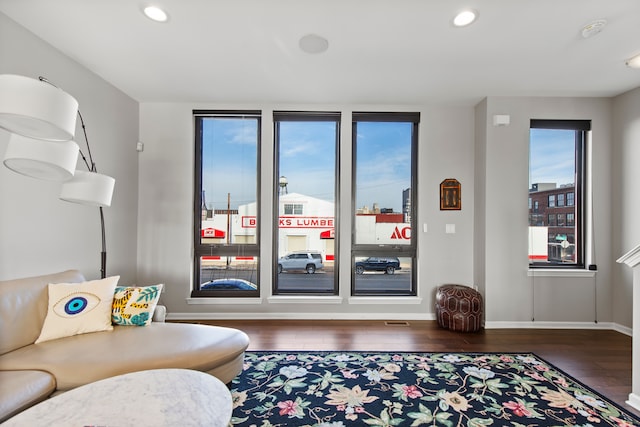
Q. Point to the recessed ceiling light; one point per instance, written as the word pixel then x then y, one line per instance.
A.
pixel 634 62
pixel 465 18
pixel 312 43
pixel 156 14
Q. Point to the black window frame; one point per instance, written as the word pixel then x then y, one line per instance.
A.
pixel 222 249
pixel 304 116
pixel 582 129
pixel 387 250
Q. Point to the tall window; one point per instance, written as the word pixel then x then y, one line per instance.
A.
pixel 226 203
pixel 557 173
pixel 384 187
pixel 305 204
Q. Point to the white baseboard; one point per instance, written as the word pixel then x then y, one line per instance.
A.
pixel 623 329
pixel 634 401
pixel 559 325
pixel 395 316
pixel 300 316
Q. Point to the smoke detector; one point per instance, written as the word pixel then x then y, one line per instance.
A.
pixel 593 28
pixel 313 43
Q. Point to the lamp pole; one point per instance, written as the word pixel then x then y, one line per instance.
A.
pixel 91 165
pixel 103 254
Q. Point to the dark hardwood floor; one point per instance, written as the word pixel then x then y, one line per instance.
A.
pixel 600 359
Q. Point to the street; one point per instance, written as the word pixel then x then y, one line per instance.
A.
pixel 321 280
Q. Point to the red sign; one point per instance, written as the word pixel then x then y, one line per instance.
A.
pixel 249 222
pixel 328 234
pixel 402 233
pixel 212 233
pixel 294 222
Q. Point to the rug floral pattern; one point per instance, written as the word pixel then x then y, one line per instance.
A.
pixel 336 389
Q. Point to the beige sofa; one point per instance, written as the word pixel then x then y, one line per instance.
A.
pixel 30 373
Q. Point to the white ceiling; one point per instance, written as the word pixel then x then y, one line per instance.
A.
pixel 380 51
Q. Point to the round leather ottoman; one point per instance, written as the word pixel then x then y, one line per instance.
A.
pixel 459 308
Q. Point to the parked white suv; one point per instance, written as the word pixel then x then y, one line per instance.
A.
pixel 307 261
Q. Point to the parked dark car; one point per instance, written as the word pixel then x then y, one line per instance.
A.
pixel 241 284
pixel 388 265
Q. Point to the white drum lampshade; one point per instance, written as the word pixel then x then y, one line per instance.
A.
pixel 88 188
pixel 36 109
pixel 52 161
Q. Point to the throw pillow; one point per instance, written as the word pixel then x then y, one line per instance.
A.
pixel 78 308
pixel 135 305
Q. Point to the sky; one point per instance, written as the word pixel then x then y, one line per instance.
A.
pixel 383 164
pixel 307 158
pixel 552 156
pixel 229 164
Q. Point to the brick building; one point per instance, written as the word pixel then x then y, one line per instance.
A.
pixel 554 207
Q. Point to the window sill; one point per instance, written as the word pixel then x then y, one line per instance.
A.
pixel 557 272
pixel 223 300
pixel 304 299
pixel 385 300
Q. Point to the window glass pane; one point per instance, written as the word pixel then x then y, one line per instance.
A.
pixel 384 186
pixel 552 180
pixel 221 273
pixel 561 220
pixel 226 204
pixel 229 177
pixel 378 274
pixel 383 183
pixel 306 205
pixel 570 199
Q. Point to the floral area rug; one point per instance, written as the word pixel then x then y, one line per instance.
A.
pixel 335 389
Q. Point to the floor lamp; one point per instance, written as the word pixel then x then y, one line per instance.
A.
pixel 42 121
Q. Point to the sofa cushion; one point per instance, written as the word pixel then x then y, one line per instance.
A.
pixel 22 389
pixel 24 302
pixel 78 308
pixel 135 305
pixel 82 359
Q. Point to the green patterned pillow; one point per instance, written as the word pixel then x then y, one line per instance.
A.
pixel 134 305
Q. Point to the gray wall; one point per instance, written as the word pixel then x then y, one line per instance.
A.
pixel 165 214
pixel 626 197
pixel 39 233
pixel 512 296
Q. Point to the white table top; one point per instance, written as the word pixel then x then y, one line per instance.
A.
pixel 160 397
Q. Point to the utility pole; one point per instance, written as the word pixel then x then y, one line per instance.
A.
pixel 228 223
